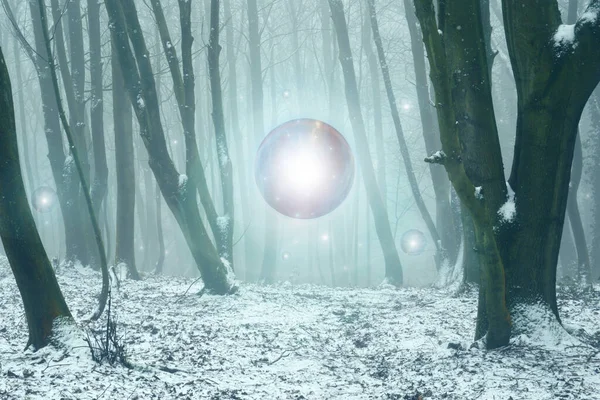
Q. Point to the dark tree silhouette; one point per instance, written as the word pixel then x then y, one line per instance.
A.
pixel 42 299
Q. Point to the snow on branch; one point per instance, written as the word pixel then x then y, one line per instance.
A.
pixel 439 157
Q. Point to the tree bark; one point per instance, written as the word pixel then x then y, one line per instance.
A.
pixel 493 311
pixel 125 165
pixel 393 266
pixel 42 299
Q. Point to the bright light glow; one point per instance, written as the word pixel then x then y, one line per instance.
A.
pixel 325 237
pixel 303 172
pixel 286 94
pixel 285 256
pixel 406 106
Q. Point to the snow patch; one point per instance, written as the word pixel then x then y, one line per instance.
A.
pixel 564 38
pixel 479 192
pixel 182 182
pixel 508 211
pixel 140 102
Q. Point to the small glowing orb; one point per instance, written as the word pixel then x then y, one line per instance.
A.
pixel 406 106
pixel 285 256
pixel 304 168
pixel 413 242
pixel 325 237
pixel 286 94
pixel 43 199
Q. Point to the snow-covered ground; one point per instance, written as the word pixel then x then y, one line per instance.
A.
pixel 294 342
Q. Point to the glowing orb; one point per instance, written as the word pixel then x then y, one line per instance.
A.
pixel 43 199
pixel 304 168
pixel 413 242
pixel 285 256
pixel 286 94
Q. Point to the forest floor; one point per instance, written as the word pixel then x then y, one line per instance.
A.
pixel 297 342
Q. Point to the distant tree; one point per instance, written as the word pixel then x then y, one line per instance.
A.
pixel 393 267
pixel 78 167
pixel 410 173
pixel 125 165
pixel 518 244
pixel 99 185
pixel 441 185
pixel 269 261
pixel 42 299
pixel 225 227
pixel 595 180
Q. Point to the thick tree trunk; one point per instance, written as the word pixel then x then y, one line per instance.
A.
pixel 455 118
pixel 393 266
pixel 549 108
pixel 42 298
pixel 125 165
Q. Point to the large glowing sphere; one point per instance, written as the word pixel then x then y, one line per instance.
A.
pixel 413 242
pixel 43 199
pixel 304 168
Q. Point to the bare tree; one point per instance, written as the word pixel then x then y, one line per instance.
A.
pixel 393 268
pixel 178 191
pixel 42 299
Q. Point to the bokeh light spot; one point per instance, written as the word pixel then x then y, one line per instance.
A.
pixel 43 199
pixel 304 168
pixel 413 242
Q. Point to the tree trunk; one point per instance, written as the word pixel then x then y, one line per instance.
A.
pixel 393 266
pixel 226 222
pixel 42 299
pixel 100 182
pixel 91 217
pixel 583 258
pixel 595 177
pixel 159 230
pixel 23 119
pixel 125 170
pixel 179 191
pixel 441 185
pixel 454 117
pixel 62 171
pixel 376 94
pixel 416 191
pixel 269 261
pixel 236 132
